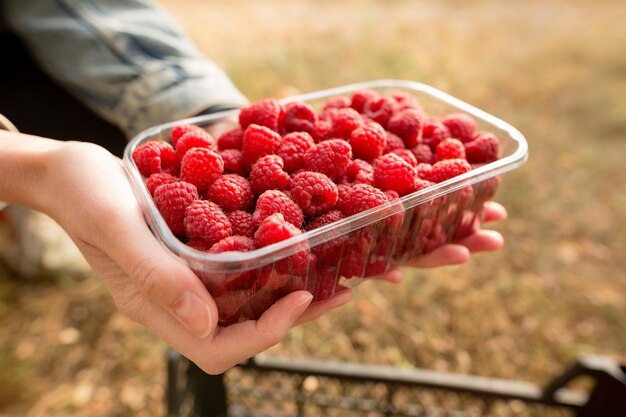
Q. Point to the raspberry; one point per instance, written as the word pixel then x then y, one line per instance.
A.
pixel 484 148
pixel 232 161
pixel 362 197
pixel 194 139
pixel 201 166
pixel 460 125
pixel 153 157
pixel 274 201
pixel 231 192
pixel 273 229
pixel 205 220
pixel 423 154
pixel 158 179
pixel 342 193
pixel 199 244
pixel 361 97
pixel 300 117
pixel 258 141
pixel 343 122
pixel 292 150
pixel 423 170
pixel 267 174
pixel 233 243
pixel 392 195
pixel 392 173
pixel 338 102
pixel 231 139
pixel 368 141
pixel 172 199
pixel 449 149
pixel 408 125
pixel 407 156
pixel 330 157
pixel 434 132
pixel 328 218
pixel 328 251
pixel 268 113
pixel 180 130
pixel 241 223
pixel 360 172
pixel 405 101
pixel 448 168
pixel 379 110
pixel 393 142
pixel 315 193
pixel 323 131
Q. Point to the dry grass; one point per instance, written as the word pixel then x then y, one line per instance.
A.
pixel 556 70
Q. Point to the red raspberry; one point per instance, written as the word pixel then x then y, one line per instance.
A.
pixel 362 197
pixel 360 172
pixel 405 101
pixel 393 142
pixel 241 223
pixel 423 154
pixel 205 220
pixel 434 132
pixel 274 228
pixel 361 97
pixel 338 102
pixel 300 117
pixel 330 157
pixel 315 193
pixel 180 130
pixel 194 139
pixel 448 168
pixel 233 244
pixel 172 199
pixel 231 192
pixel 292 150
pixel 328 218
pixel 392 195
pixel 379 110
pixel 201 166
pixel 199 244
pixel 392 173
pixel 368 141
pixel 323 131
pixel 408 124
pixel 342 193
pixel 258 141
pixel 231 139
pixel 484 148
pixel 157 180
pixel 423 170
pixel 268 112
pixel 343 122
pixel 461 126
pixel 449 149
pixel 274 201
pixel 233 161
pixel 267 174
pixel 328 251
pixel 153 157
pixel 407 156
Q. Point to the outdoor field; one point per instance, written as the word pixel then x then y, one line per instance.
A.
pixel 556 70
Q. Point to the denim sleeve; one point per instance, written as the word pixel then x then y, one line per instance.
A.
pixel 125 59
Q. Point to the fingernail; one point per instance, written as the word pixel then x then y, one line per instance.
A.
pixel 194 314
pixel 301 306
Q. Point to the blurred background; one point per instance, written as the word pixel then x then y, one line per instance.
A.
pixel 554 69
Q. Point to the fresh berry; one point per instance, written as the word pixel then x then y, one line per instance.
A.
pixel 329 251
pixel 393 173
pixel 314 192
pixel 368 141
pixel 423 170
pixel 338 102
pixel 362 197
pixel 201 166
pixel 258 141
pixel 448 168
pixel 233 243
pixel 408 125
pixel 300 117
pixel 379 110
pixel 434 132
pixel 231 139
pixel 205 220
pixel 484 148
pixel 274 228
pixel 461 126
pixel 323 131
pixel 274 201
pixel 199 244
pixel 232 161
pixel 292 150
pixel 267 174
pixel 180 130
pixel 423 154
pixel 241 222
pixel 392 195
pixel 231 192
pixel 171 200
pixel 407 156
pixel 342 193
pixel 405 101
pixel 268 113
pixel 158 179
pixel 449 149
pixel 153 157
pixel 393 142
pixel 361 97
pixel 343 122
pixel 194 139
pixel 330 157
pixel 359 172
pixel 327 218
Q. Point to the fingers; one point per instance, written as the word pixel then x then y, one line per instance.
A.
pixel 451 254
pixel 319 309
pixel 482 241
pixel 393 276
pixel 493 212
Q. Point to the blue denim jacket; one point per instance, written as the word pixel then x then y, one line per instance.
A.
pixel 125 59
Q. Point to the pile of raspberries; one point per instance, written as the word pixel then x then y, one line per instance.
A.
pixel 287 168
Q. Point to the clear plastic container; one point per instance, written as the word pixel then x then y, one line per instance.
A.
pixel 343 254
